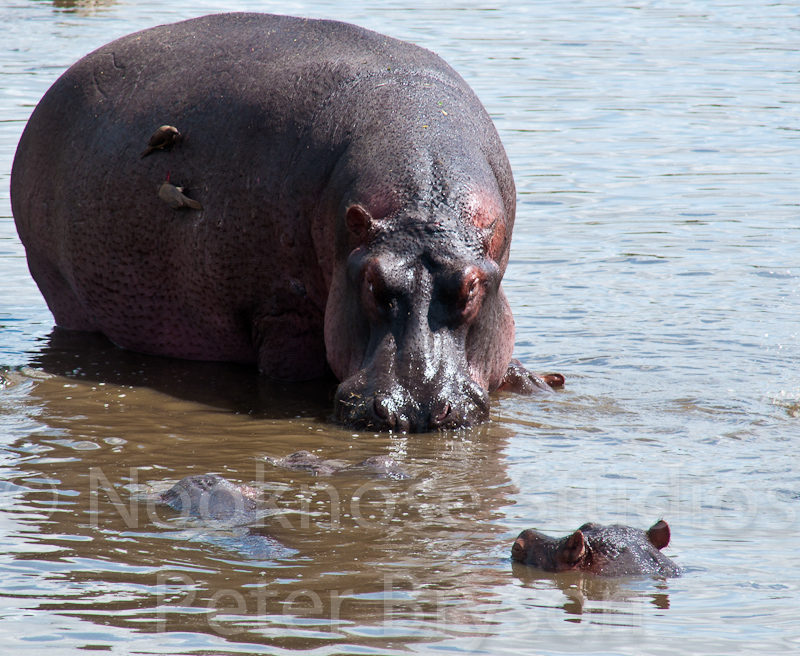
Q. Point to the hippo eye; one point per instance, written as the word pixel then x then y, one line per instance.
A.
pixel 473 287
pixel 374 295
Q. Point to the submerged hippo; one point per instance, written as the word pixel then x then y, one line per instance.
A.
pixel 230 513
pixel 604 550
pixel 380 466
pixel 327 198
pixel 209 496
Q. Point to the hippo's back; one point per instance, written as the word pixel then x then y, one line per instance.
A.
pixel 245 91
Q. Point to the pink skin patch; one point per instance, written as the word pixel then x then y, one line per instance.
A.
pixel 489 217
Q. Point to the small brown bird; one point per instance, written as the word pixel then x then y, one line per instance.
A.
pixel 173 196
pixel 163 137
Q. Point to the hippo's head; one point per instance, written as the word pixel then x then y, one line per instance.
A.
pixel 417 327
pixel 613 550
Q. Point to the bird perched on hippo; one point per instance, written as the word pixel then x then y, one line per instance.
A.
pixel 163 137
pixel 352 210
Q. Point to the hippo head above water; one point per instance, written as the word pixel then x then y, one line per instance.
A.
pixel 613 550
pixel 330 199
pixel 430 328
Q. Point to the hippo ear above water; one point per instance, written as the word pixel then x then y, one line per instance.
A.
pixel 518 550
pixel 359 223
pixel 659 534
pixel 572 549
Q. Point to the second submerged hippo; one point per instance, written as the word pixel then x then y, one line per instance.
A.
pixel 613 550
pixel 351 211
pixel 380 466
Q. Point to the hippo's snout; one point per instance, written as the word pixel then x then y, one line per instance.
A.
pixel 361 405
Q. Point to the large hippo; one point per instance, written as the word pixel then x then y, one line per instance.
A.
pixel 317 196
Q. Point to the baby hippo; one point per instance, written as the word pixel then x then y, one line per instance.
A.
pixel 603 550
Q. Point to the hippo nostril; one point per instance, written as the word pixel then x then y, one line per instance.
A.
pixel 440 414
pixel 380 406
pixel 384 410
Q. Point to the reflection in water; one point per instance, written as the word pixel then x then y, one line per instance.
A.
pixel 583 590
pixel 113 425
pixel 90 357
pixel 81 7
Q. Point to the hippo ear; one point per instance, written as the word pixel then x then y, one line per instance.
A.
pixel 572 549
pixel 359 222
pixel 658 534
pixel 518 551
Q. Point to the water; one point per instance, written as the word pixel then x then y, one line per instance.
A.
pixel 655 147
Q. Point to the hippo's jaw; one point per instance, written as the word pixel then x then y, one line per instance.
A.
pixel 414 395
pixel 397 410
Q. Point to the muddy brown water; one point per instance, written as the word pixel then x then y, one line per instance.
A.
pixel 655 263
